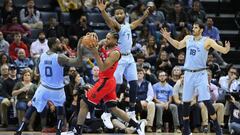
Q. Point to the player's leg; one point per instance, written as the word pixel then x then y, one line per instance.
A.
pixel 131 76
pixel 204 95
pixel 38 104
pixel 93 97
pixel 118 74
pixel 110 101
pixel 58 97
pixel 188 92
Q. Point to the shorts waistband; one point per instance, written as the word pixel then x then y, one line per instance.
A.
pixel 195 70
pixel 52 88
pixel 125 54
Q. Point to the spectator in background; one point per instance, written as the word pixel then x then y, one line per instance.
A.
pixel 178 17
pixel 78 29
pixel 24 91
pixel 74 7
pixel 16 45
pixel 155 19
pixel 229 83
pixel 7 11
pixel 234 116
pixel 39 46
pixel 214 67
pixel 144 99
pixel 180 59
pixel 149 76
pixel 95 76
pixel 149 50
pixel 14 26
pixel 163 93
pixel 67 49
pixel 136 47
pixel 163 63
pixel 8 100
pixel 4 45
pixel 211 31
pixel 175 75
pixel 144 34
pixel 137 11
pixel 196 13
pixel 53 28
pixel 23 62
pixel 5 59
pixel 30 16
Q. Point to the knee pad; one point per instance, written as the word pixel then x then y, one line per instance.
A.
pixel 209 106
pixel 111 104
pixel 186 109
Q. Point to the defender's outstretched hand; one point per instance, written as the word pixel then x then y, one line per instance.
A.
pixel 146 12
pixel 165 33
pixel 227 45
pixel 101 5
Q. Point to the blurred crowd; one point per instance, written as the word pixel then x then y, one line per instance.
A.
pixel 158 64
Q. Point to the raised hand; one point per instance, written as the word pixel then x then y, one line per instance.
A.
pixel 165 33
pixel 146 12
pixel 101 5
pixel 227 45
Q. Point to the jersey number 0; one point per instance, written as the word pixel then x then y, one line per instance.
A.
pixel 48 71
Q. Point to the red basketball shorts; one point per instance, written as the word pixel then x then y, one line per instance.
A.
pixel 104 89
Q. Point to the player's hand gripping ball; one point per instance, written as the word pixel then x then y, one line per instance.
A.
pixel 90 40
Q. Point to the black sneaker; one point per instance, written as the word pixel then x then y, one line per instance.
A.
pixel 18 133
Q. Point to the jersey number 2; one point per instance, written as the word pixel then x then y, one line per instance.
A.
pixel 48 71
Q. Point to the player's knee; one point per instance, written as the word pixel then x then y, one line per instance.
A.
pixel 84 103
pixel 186 109
pixel 111 104
pixel 209 106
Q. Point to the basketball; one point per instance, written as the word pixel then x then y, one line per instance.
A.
pixel 90 40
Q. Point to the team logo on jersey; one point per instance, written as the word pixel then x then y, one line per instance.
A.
pixel 93 96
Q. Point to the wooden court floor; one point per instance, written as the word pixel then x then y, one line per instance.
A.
pixel 39 133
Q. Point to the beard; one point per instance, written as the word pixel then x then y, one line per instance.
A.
pixel 41 39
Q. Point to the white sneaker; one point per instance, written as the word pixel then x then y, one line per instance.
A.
pixel 106 117
pixel 132 115
pixel 141 128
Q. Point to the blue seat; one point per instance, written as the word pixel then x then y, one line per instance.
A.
pixel 35 33
pixel 96 20
pixel 20 3
pixel 65 19
pixel 46 15
pixel 43 5
pixel 101 33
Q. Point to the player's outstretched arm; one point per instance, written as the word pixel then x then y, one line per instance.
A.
pixel 214 45
pixel 72 62
pixel 111 59
pixel 112 24
pixel 177 44
pixel 136 23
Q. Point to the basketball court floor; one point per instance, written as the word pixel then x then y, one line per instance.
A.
pixel 39 133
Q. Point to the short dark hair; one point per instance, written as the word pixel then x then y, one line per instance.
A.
pixel 51 41
pixel 140 70
pixel 119 8
pixel 115 34
pixel 200 24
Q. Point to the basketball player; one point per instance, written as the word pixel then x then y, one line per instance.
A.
pixel 195 75
pixel 50 68
pixel 105 89
pixel 126 64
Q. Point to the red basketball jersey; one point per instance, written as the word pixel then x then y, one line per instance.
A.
pixel 108 73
